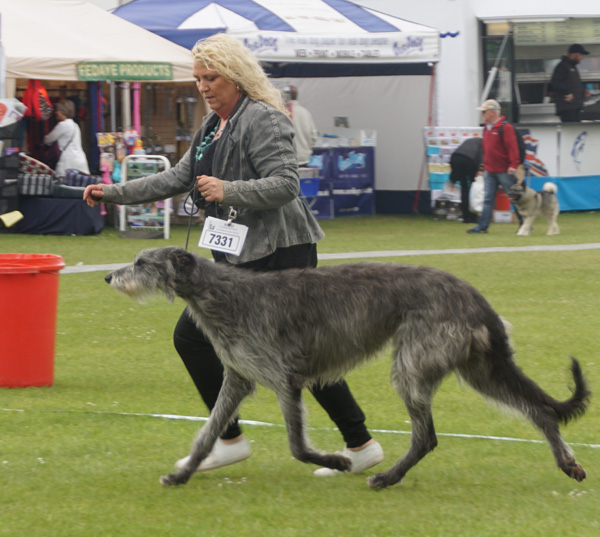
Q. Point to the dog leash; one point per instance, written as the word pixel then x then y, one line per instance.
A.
pixel 231 215
pixel 193 193
pixel 200 149
pixel 209 139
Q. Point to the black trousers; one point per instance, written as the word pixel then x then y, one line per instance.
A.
pixel 206 369
pixel 464 170
pixel 570 116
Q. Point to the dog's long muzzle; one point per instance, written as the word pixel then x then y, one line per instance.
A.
pixel 108 278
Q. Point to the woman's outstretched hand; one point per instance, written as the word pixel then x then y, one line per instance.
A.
pixel 93 194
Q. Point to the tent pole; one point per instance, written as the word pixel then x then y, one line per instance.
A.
pixel 113 107
pixel 137 124
pixel 125 106
pixel 100 126
pixel 494 69
pixel 429 123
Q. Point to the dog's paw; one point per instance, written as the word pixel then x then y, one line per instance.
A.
pixel 339 462
pixel 378 481
pixel 169 480
pixel 576 472
pixel 174 479
pixel 166 481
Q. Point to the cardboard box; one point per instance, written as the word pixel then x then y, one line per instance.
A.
pixel 503 217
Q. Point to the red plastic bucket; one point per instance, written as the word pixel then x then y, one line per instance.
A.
pixel 502 201
pixel 28 304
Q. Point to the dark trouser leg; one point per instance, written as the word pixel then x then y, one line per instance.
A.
pixel 202 364
pixel 465 187
pixel 464 170
pixel 338 402
pixel 336 399
pixel 570 116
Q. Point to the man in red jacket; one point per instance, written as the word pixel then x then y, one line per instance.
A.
pixel 500 159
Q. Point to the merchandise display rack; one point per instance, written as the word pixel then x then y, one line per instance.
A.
pixel 151 220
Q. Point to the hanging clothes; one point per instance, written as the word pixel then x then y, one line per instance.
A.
pixel 38 103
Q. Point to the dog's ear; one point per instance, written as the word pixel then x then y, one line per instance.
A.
pixel 183 262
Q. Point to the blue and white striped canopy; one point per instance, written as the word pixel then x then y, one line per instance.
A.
pixel 323 31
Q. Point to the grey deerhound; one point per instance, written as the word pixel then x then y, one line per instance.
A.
pixel 289 329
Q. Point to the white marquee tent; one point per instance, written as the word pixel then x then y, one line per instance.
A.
pixel 46 39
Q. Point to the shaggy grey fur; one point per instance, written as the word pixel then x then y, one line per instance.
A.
pixel 288 329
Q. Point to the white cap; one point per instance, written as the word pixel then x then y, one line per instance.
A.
pixel 490 104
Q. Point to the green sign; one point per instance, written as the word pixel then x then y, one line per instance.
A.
pixel 124 71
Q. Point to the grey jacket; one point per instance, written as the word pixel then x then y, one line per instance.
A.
pixel 256 160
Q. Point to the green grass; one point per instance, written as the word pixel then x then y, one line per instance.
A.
pixel 342 235
pixel 77 462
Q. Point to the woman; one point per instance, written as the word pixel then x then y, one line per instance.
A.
pixel 243 157
pixel 67 134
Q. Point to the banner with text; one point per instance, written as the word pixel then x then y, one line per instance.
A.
pixel 127 71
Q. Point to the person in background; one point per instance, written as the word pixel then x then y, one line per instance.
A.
pixel 243 157
pixel 304 125
pixel 68 135
pixel 464 165
pixel 500 160
pixel 569 91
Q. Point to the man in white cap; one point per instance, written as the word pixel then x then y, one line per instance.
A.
pixel 500 159
pixel 568 89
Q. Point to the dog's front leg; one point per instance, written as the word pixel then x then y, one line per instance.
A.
pixel 290 401
pixel 234 390
pixel 526 226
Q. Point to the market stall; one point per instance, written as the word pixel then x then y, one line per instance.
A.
pixel 74 48
pixel 370 68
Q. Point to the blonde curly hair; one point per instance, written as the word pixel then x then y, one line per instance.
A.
pixel 231 59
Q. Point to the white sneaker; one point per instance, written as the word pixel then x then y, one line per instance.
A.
pixel 222 454
pixel 361 460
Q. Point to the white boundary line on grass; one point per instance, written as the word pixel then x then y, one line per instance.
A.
pixel 77 269
pixel 493 249
pixel 279 425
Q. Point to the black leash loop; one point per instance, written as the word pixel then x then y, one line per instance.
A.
pixel 193 192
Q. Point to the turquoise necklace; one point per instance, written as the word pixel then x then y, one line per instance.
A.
pixel 207 142
pixel 200 150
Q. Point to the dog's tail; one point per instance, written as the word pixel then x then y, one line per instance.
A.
pixel 501 379
pixel 564 411
pixel 550 188
pixel 576 405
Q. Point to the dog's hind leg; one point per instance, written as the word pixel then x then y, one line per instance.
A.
pixel 553 228
pixel 290 401
pixel 233 392
pixel 423 356
pixel 499 378
pixel 564 456
pixel 418 400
